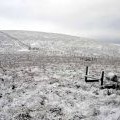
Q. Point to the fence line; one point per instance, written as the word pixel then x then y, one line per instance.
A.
pixel 94 79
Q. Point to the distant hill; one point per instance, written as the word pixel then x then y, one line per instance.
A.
pixel 53 44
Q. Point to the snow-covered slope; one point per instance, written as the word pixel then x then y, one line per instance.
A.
pixel 55 44
pixel 7 43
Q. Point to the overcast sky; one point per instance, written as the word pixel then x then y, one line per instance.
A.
pixel 99 19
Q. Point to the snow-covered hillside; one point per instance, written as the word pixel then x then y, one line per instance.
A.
pixel 56 44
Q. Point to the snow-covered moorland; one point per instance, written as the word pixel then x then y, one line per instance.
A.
pixel 56 92
pixel 42 77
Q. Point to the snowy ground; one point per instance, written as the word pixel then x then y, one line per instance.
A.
pixel 42 77
pixel 56 92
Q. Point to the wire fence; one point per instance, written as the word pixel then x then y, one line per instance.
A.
pixel 36 59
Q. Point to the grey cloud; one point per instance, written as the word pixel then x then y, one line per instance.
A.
pixel 91 18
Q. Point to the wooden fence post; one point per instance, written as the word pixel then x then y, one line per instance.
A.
pixel 86 73
pixel 102 78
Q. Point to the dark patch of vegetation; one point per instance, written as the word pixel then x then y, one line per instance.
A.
pixel 24 116
pixel 2 79
pixel 78 117
pixel 96 112
pixel 77 86
pixel 0 95
pixel 13 87
pixel 56 110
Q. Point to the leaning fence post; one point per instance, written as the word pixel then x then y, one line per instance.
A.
pixel 102 78
pixel 86 73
